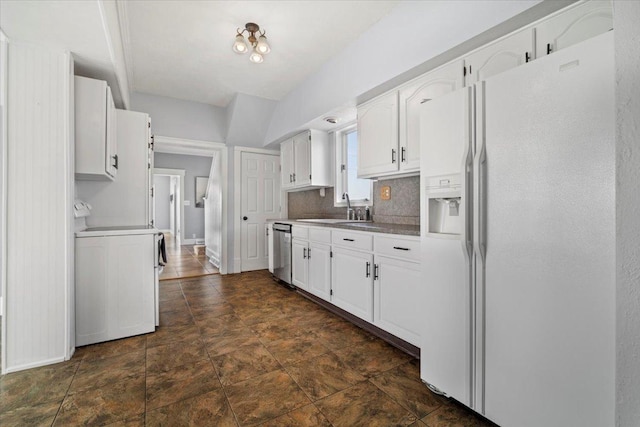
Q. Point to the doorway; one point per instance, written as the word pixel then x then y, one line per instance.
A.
pixel 168 187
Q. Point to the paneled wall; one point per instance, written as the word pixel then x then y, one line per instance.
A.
pixel 37 326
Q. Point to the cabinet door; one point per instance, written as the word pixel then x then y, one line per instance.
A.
pixel 397 306
pixel 378 136
pixel 300 266
pixel 319 257
pixel 286 163
pixel 302 160
pixel 111 157
pixel 430 86
pixel 503 55
pixel 352 282
pixel 91 286
pixel 131 292
pixel 572 26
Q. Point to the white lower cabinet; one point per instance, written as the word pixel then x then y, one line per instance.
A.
pixel 395 290
pixel 114 287
pixel 299 263
pixel 319 257
pixel 352 282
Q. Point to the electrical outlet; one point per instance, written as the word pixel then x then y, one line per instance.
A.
pixel 385 192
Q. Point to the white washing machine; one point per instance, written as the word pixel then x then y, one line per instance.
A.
pixel 116 280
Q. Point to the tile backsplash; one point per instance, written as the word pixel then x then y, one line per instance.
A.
pixel 403 207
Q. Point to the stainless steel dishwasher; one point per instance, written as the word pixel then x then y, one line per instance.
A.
pixel 282 252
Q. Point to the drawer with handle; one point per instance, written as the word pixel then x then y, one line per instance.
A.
pixel 399 247
pixel 350 239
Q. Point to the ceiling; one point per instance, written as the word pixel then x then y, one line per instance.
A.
pixel 182 49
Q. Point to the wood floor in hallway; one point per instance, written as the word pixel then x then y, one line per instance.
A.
pixel 183 262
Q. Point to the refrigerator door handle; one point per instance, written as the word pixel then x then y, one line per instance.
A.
pixel 467 179
pixel 480 171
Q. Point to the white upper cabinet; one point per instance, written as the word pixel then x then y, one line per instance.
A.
pixel 306 161
pixel 286 164
pixel 95 131
pixel 378 136
pixel 500 56
pixel 572 26
pixel 427 87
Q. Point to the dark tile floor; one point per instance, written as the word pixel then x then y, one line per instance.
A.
pixel 232 350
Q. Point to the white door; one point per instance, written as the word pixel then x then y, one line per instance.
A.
pixel 352 282
pixel 260 195
pixel 429 87
pixel 378 136
pixel 302 162
pixel 319 270
pixel 549 271
pixel 573 26
pixel 299 263
pixel 503 55
pixel 397 310
pixel 286 159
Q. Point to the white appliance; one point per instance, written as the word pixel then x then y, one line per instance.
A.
pixel 518 241
pixel 116 280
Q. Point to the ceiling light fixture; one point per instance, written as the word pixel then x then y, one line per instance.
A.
pixel 258 44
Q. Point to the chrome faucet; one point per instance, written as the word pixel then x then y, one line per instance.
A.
pixel 349 210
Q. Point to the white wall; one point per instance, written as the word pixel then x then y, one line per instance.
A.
pixel 37 325
pixel 627 55
pixel 161 185
pixel 248 119
pixel 182 119
pixel 194 166
pixel 414 32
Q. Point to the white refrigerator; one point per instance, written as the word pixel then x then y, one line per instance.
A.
pixel 518 227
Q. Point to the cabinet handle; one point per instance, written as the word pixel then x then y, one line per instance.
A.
pixel 400 248
pixel 290 178
pixel 393 155
pixel 375 271
pixel 402 151
pixel 294 177
pixel 549 48
pixel 527 57
pixel 348 240
pixel 309 253
pixel 368 269
pixel 304 253
pixel 115 158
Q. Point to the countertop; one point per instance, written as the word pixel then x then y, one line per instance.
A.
pixel 374 227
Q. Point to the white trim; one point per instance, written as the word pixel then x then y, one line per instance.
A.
pixel 170 145
pixel 215 261
pixel 189 242
pixel 1 306
pixel 35 365
pixel 121 80
pixel 339 178
pixel 123 24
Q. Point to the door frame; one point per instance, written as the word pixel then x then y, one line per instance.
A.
pixel 237 201
pixel 170 145
pixel 179 174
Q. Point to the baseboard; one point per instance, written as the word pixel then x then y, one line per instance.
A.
pixel 165 231
pixel 237 265
pixel 189 241
pixel 213 258
pixel 34 365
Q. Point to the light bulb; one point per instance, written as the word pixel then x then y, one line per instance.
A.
pixel 256 57
pixel 263 46
pixel 240 46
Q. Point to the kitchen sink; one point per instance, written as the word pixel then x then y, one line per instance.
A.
pixel 331 221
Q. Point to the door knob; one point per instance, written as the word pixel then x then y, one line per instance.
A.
pixel 245 218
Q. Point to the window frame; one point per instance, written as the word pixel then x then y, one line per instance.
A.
pixel 341 176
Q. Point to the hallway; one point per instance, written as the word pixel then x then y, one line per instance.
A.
pixel 183 262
